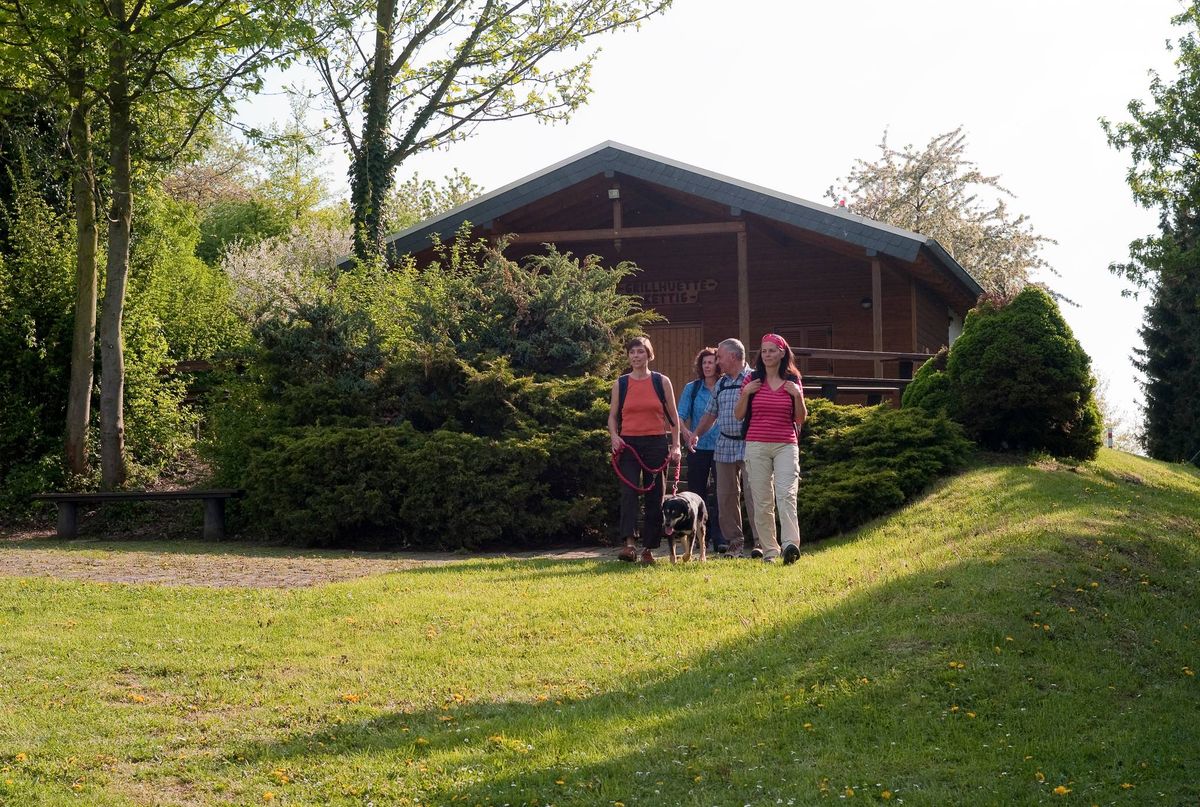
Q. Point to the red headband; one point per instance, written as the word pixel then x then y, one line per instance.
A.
pixel 778 341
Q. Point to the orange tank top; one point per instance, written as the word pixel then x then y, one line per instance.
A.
pixel 643 414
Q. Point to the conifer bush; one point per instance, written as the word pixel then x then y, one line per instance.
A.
pixel 1016 379
pixel 861 462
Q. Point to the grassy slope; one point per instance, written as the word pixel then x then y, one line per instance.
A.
pixel 1021 628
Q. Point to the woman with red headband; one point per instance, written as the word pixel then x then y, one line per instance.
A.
pixel 773 401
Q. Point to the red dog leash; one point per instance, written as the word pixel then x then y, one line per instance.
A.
pixel 646 468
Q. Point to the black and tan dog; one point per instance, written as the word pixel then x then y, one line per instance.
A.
pixel 685 515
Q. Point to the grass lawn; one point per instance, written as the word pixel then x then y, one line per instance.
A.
pixel 1025 633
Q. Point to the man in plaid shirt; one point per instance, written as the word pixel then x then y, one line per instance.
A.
pixel 729 455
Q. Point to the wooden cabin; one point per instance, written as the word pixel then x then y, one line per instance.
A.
pixel 860 302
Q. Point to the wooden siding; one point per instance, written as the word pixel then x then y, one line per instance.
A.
pixel 806 286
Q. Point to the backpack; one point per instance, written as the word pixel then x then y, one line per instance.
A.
pixel 695 385
pixel 656 379
pixel 750 400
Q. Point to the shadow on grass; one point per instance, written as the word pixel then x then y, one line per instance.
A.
pixel 906 686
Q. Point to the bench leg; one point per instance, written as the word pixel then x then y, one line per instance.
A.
pixel 68 521
pixel 214 519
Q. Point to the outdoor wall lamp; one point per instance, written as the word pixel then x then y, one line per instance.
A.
pixel 865 303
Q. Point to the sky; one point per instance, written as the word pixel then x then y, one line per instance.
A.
pixel 787 94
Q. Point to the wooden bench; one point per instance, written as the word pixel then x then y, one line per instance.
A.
pixel 214 506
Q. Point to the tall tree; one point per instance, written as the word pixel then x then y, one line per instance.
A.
pixel 1163 140
pixel 47 55
pixel 168 67
pixel 406 77
pixel 938 192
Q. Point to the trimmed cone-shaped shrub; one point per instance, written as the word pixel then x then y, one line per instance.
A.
pixel 1019 379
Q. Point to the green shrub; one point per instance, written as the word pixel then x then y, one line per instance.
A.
pixel 859 463
pixel 1020 380
pixel 553 314
pixel 400 488
pixel 446 393
pixel 248 221
pixel 36 320
pixel 930 386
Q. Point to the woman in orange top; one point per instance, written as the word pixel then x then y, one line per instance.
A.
pixel 642 421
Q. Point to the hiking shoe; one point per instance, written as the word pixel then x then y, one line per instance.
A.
pixel 756 554
pixel 721 549
pixel 647 557
pixel 791 554
pixel 627 554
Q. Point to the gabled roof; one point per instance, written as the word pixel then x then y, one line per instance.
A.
pixel 611 156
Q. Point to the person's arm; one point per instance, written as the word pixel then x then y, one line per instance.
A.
pixel 751 387
pixel 617 442
pixel 797 392
pixel 673 451
pixel 685 420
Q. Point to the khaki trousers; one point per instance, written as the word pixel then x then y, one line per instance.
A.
pixel 774 471
pixel 731 485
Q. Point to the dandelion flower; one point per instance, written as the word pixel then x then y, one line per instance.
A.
pixel 1041 777
pixel 350 697
pixel 849 792
pixel 1062 790
pixel 885 795
pixel 808 726
pixel 268 796
pixel 21 757
pixel 1126 785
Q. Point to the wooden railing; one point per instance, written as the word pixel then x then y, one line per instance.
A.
pixel 873 387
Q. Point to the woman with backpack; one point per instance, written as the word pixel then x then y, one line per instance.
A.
pixel 693 403
pixel 645 435
pixel 772 410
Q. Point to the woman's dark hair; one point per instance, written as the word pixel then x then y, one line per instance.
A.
pixel 704 352
pixel 644 341
pixel 788 370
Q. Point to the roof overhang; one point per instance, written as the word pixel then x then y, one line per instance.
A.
pixel 610 158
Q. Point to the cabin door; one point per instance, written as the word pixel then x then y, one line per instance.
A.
pixel 675 349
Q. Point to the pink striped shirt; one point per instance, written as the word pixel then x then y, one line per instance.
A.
pixel 772 418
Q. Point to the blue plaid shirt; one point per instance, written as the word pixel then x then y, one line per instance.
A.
pixel 729 389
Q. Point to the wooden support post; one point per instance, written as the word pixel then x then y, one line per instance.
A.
pixel 214 519
pixel 743 290
pixel 616 217
pixel 877 312
pixel 912 300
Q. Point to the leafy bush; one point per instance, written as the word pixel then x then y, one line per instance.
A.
pixel 397 487
pixel 1021 380
pixel 553 314
pixel 1016 379
pixel 930 386
pixel 36 316
pixel 860 462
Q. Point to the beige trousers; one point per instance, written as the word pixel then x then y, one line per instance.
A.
pixel 731 485
pixel 774 473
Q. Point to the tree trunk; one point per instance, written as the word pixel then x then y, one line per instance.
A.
pixel 371 173
pixel 120 218
pixel 83 345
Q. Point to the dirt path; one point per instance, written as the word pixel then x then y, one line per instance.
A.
pixel 221 565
